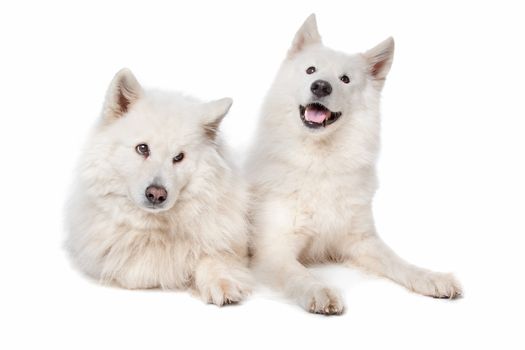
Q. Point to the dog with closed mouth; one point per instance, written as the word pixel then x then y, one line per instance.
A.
pixel 312 171
pixel 157 202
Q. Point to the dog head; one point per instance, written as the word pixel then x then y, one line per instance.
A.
pixel 325 87
pixel 150 144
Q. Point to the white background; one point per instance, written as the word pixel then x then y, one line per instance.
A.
pixel 451 168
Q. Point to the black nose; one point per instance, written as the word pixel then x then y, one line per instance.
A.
pixel 156 194
pixel 321 88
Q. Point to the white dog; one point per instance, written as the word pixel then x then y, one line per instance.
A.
pixel 313 174
pixel 157 204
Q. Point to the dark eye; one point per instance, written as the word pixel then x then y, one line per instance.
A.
pixel 310 70
pixel 178 157
pixel 345 79
pixel 143 150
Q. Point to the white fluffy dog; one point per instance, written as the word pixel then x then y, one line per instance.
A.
pixel 157 203
pixel 312 168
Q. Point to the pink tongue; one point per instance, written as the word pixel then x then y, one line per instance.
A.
pixel 316 115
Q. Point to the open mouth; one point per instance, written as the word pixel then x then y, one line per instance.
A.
pixel 315 115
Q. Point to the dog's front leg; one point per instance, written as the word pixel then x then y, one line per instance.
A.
pixel 371 253
pixel 275 261
pixel 222 279
pixel 364 248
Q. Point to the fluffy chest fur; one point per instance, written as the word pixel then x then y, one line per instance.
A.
pixel 115 242
pixel 319 184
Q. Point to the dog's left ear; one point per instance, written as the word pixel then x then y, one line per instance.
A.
pixel 305 36
pixel 214 113
pixel 380 59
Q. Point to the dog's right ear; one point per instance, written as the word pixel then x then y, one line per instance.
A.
pixel 214 113
pixel 305 36
pixel 123 91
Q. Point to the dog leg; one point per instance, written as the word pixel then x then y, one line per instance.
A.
pixel 279 267
pixel 278 243
pixel 222 280
pixel 372 254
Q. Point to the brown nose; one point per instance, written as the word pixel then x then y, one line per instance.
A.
pixel 156 194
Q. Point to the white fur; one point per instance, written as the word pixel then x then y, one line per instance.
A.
pixel 198 239
pixel 313 188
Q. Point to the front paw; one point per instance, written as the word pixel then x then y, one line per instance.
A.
pixel 437 285
pixel 223 291
pixel 322 300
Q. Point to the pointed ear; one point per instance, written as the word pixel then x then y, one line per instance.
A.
pixel 123 91
pixel 305 36
pixel 214 113
pixel 380 59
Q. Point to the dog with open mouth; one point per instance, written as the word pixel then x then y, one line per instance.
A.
pixel 312 171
